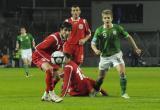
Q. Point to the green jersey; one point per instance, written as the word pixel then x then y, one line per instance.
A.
pixel 25 41
pixel 108 40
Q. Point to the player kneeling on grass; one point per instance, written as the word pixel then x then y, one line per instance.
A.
pixel 74 81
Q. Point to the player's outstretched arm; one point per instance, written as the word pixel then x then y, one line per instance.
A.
pixel 136 49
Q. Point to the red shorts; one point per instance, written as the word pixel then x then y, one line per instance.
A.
pixel 39 60
pixel 82 89
pixel 76 51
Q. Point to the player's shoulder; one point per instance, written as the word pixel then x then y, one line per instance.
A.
pixel 83 19
pixel 99 29
pixel 118 26
pixel 29 34
pixel 55 36
pixel 68 67
pixel 68 20
pixel 70 64
pixel 18 36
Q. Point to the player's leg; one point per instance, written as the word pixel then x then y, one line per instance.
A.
pixel 78 55
pixel 49 84
pixel 118 62
pixel 93 82
pixel 29 61
pixel 25 66
pixel 24 54
pixel 104 66
pixel 123 80
pixel 55 80
pixel 49 74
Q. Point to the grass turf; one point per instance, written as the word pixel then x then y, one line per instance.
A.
pixel 20 93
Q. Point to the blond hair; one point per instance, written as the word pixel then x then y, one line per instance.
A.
pixel 106 12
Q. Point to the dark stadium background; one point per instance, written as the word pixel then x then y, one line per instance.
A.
pixel 42 17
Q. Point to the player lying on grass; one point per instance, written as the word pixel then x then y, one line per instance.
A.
pixel 74 81
pixel 41 57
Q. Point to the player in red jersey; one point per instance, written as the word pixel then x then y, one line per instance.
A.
pixel 79 35
pixel 41 57
pixel 74 81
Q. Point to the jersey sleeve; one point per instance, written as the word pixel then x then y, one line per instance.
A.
pixel 43 47
pixel 88 31
pixel 95 37
pixel 66 80
pixel 123 32
pixel 31 37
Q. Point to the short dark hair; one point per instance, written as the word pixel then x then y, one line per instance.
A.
pixel 66 25
pixel 69 56
pixel 75 5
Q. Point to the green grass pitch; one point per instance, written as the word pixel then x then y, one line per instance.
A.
pixel 20 93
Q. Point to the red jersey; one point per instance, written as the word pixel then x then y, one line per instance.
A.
pixel 52 43
pixel 74 81
pixel 79 31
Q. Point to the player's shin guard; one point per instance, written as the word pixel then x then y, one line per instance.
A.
pixel 123 83
pixel 48 80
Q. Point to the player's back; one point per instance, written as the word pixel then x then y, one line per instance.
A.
pixel 77 78
pixel 50 44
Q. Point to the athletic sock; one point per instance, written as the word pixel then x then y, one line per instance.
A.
pixel 123 83
pixel 54 82
pixel 98 84
pixel 48 81
pixel 26 69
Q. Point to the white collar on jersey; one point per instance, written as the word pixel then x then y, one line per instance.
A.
pixel 74 19
pixel 106 27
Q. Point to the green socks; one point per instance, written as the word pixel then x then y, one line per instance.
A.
pixel 26 69
pixel 123 83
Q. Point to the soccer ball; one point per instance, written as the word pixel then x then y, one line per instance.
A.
pixel 57 57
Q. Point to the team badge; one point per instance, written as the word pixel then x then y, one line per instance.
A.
pixel 114 32
pixel 80 26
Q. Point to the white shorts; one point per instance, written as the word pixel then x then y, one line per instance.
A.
pixel 26 54
pixel 114 60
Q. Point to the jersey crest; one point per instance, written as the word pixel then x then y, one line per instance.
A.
pixel 114 32
pixel 80 26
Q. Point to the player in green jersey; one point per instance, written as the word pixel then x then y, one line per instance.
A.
pixel 24 43
pixel 106 43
